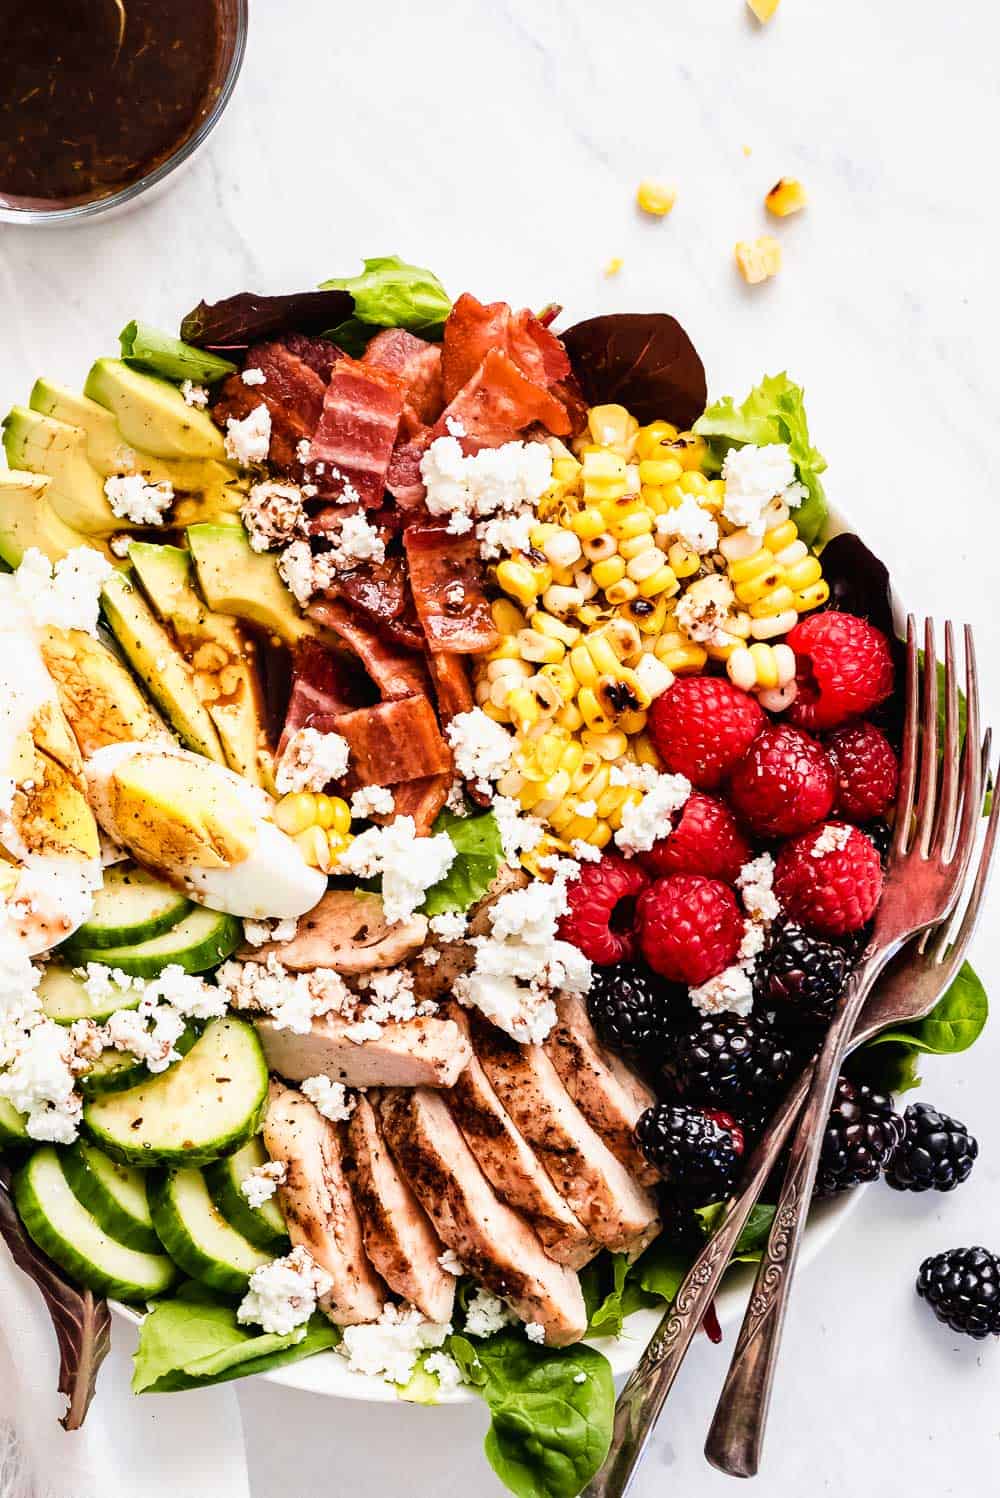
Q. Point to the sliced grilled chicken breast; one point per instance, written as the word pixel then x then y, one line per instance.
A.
pixel 348 932
pixel 458 957
pixel 398 1236
pixel 495 1243
pixel 607 1092
pixel 427 1052
pixel 509 1164
pixel 318 1206
pixel 613 1207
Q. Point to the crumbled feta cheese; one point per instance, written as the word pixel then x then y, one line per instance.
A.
pixel 729 992
pixel 293 1000
pixel 534 1331
pixel 273 514
pixel 646 822
pixel 430 956
pixel 40 1082
pixel 148 1033
pixel 329 1098
pixel 450 925
pixel 752 943
pixel 259 1185
pixel 502 533
pixel 186 992
pixel 690 523
pixel 67 595
pixel 579 1378
pixel 444 1368
pixel 585 852
pixel 704 610
pixel 370 800
pixel 642 777
pixel 249 441
pixel 120 543
pixel 458 523
pixel 296 566
pixel 755 881
pixel 451 1263
pixel 358 541
pixel 311 760
pixel 753 477
pixel 482 748
pixel 389 1347
pixel 456 801
pixel 108 985
pixel 495 480
pixel 194 395
pixel 282 1295
pixel 303 448
pixel 409 865
pixel 518 833
pixel 253 377
pixel 258 933
pixel 832 839
pixel 486 1314
pixel 132 498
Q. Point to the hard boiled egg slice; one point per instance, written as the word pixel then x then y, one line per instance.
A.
pixel 202 828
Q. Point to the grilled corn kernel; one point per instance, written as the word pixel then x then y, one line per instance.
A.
pixel 562 548
pixel 614 265
pixel 655 199
pixel 763 10
pixel 587 523
pixel 758 259
pixel 609 571
pixel 683 561
pixel 622 592
pixel 803 574
pixel 608 746
pixel 769 627
pixel 518 580
pixel 786 196
pixel 556 629
pixel 560 599
pixel 295 812
pixel 600 548
pixel 654 676
pixel 612 426
pixel 314 846
pixel 604 476
pixel 539 647
pixel 651 559
pixel 658 472
pixel 631 527
pixel 813 596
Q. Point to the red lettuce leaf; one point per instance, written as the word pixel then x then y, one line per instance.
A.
pixel 641 360
pixel 246 318
pixel 81 1319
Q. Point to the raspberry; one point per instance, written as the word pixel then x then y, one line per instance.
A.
pixel 783 784
pixel 702 726
pixel 843 669
pixel 829 879
pixel 600 919
pixel 706 840
pixel 867 772
pixel 690 928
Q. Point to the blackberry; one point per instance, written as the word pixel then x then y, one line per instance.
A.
pixel 630 1010
pixel 962 1288
pixel 881 835
pixel 697 1151
pixel 862 1134
pixel 802 977
pixel 937 1152
pixel 728 1062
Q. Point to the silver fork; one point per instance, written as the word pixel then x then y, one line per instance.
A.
pixel 905 995
pixel 933 840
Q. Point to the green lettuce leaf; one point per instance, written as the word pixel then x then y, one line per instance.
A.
pixel 162 354
pixel 552 1410
pixel 195 1340
pixel 774 411
pixel 391 294
pixel 478 855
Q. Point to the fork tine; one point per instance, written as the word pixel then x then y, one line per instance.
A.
pixel 972 730
pixel 937 945
pixel 944 830
pixel 960 854
pixel 908 765
pixel 927 790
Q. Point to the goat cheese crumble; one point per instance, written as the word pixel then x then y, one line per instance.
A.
pixel 753 477
pixel 259 1185
pixel 329 1098
pixel 832 839
pixel 730 991
pixel 370 800
pixel 253 377
pixel 259 933
pixel 645 822
pixel 519 833
pixel 283 1294
pixel 311 760
pixel 194 395
pixel 66 595
pixel 249 441
pixel 755 881
pixel 451 1263
pixel 133 498
pixel 690 523
pixel 292 1000
pixel 445 1370
pixel 389 1347
pixel 495 480
pixel 40 1082
pixel 534 1331
pixel 409 865
pixel 482 748
pixel 273 513
pixel 486 1314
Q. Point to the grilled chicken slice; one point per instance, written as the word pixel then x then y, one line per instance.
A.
pixel 318 1206
pixel 494 1243
pixel 426 1052
pixel 509 1164
pixel 399 1239
pixel 613 1207
pixel 349 933
pixel 607 1092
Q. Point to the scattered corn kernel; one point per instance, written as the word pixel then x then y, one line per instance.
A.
pixel 763 9
pixel 614 265
pixel 758 259
pixel 655 199
pixel 786 196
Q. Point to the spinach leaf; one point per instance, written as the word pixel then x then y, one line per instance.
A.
pixel 237 321
pixel 478 855
pixel 641 360
pixel 756 1230
pixel 195 1340
pixel 552 1410
pixel 391 294
pixel 610 1293
pixel 774 411
pixel 159 353
pixel 891 1068
pixel 661 1269
pixel 954 1024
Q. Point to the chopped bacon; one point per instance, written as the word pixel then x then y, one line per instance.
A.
pixel 325 682
pixel 447 584
pixel 394 741
pixel 417 364
pixel 451 683
pixel 536 350
pixel 352 444
pixel 378 589
pixel 292 391
pixel 499 401
pixel 473 329
pixel 421 800
pixel 402 478
pixel 396 672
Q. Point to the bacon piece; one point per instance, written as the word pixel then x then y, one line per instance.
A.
pixel 395 671
pixel 417 364
pixel 292 391
pixel 472 329
pixel 421 800
pixel 353 441
pixel 402 478
pixel 451 684
pixel 447 586
pixel 394 741
pixel 499 401
pixel 536 350
pixel 324 682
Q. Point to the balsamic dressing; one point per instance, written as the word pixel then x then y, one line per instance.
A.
pixel 95 93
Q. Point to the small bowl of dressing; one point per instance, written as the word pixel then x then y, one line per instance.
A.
pixel 101 100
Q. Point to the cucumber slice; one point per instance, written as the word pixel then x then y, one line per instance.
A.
pixel 197 1236
pixel 116 1071
pixel 12 1129
pixel 205 1106
pixel 115 1195
pixel 200 941
pixel 64 1229
pixel 64 997
pixel 132 906
pixel 264 1226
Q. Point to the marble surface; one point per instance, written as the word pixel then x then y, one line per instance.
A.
pixel 501 145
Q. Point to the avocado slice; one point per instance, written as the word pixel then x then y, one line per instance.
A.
pixel 159 665
pixel 152 414
pixel 235 579
pixel 98 695
pixel 214 646
pixel 41 444
pixel 27 519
